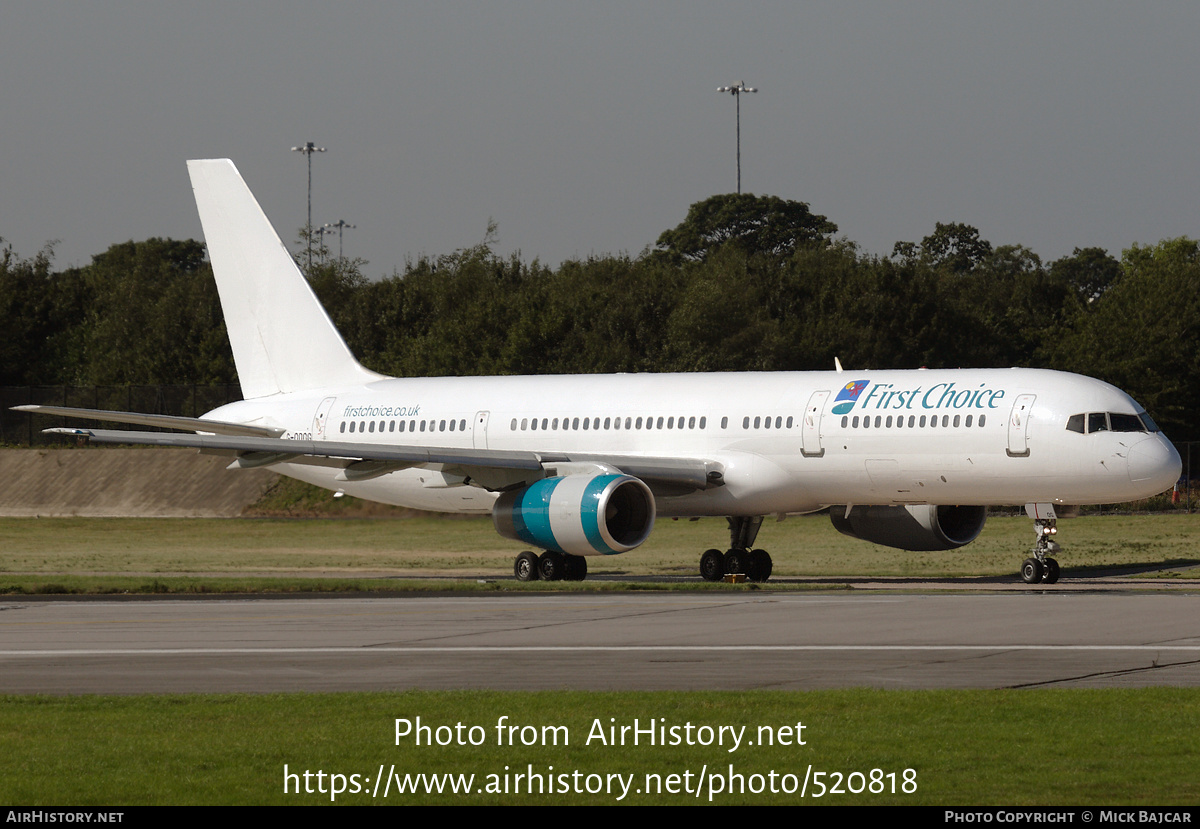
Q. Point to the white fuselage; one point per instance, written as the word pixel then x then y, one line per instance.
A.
pixel 788 442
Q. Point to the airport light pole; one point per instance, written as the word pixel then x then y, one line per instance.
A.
pixel 341 225
pixel 323 232
pixel 308 149
pixel 736 91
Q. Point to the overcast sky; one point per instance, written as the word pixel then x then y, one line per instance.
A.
pixel 588 128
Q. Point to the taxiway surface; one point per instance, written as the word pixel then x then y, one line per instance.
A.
pixel 601 642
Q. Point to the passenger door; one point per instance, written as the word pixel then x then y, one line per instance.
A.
pixel 1018 426
pixel 810 431
pixel 322 417
pixel 479 436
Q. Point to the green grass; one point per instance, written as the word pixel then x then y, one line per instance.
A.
pixel 1003 748
pixel 198 555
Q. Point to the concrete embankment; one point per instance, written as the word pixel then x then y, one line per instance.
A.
pixel 145 483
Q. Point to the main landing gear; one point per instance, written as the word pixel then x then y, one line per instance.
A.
pixel 549 566
pixel 739 558
pixel 1040 567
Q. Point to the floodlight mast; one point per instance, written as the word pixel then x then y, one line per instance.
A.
pixel 308 149
pixel 736 91
pixel 322 232
pixel 341 225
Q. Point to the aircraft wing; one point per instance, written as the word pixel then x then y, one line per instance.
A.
pixel 492 468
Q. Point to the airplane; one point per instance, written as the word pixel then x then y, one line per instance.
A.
pixel 581 465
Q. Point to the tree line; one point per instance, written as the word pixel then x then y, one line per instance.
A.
pixel 744 283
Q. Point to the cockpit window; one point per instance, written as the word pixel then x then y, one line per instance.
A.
pixel 1114 421
pixel 1125 422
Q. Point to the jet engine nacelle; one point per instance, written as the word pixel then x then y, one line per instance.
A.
pixel 916 527
pixel 583 515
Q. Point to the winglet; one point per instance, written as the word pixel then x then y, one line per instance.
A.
pixel 283 341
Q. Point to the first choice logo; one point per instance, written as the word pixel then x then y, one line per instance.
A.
pixel 846 398
pixel 886 397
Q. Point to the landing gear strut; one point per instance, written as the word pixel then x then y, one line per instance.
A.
pixel 739 558
pixel 1040 567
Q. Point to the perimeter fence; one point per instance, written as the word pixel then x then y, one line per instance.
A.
pixel 24 429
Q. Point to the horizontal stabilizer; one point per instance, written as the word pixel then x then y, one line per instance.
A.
pixel 189 424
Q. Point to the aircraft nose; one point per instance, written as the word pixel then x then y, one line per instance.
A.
pixel 1154 460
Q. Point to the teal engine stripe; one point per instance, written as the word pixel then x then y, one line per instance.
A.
pixel 531 515
pixel 590 513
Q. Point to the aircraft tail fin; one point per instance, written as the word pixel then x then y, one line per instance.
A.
pixel 283 341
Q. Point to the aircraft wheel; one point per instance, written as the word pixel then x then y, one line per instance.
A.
pixel 736 561
pixel 551 566
pixel 1051 574
pixel 712 565
pixel 525 568
pixel 760 565
pixel 575 568
pixel 1031 571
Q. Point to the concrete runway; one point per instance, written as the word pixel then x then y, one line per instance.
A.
pixel 602 642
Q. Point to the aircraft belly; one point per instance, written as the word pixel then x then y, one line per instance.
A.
pixel 404 488
pixel 947 479
pixel 754 485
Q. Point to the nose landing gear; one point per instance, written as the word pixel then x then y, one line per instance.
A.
pixel 1040 567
